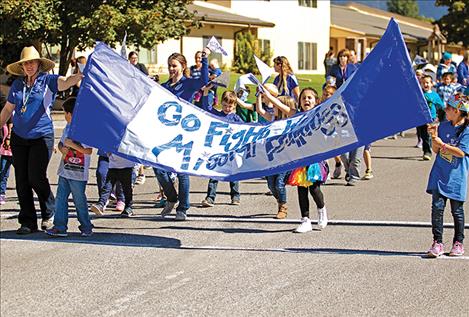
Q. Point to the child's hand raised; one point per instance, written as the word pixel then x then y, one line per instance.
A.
pixel 206 51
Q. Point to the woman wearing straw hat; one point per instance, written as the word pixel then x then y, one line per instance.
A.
pixel 32 139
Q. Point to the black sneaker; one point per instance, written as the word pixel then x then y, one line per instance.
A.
pixel 25 230
pixel 127 213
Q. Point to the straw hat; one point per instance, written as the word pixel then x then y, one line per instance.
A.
pixel 30 53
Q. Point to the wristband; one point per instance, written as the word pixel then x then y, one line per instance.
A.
pixel 204 54
pixel 443 147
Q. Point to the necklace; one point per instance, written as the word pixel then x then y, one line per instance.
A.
pixel 27 91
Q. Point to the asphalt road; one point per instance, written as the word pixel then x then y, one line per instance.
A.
pixel 239 261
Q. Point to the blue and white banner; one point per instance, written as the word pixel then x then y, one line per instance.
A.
pixel 120 110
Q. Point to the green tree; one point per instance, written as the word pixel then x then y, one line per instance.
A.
pixel 78 24
pixel 408 8
pixel 245 48
pixel 455 24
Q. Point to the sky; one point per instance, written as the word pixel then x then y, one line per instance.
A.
pixel 427 8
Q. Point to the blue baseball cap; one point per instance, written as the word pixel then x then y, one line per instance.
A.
pixel 447 55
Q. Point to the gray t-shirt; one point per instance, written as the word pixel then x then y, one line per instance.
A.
pixel 74 165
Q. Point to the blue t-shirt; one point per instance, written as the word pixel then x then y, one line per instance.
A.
pixel 32 119
pixel 185 88
pixel 292 83
pixel 449 173
pixel 443 68
pixel 342 76
pixel 463 74
pixel 195 73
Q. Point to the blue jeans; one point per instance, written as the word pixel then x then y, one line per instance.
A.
pixel 5 163
pixel 124 177
pixel 212 190
pixel 276 185
pixel 438 208
pixel 101 173
pixel 77 188
pixel 168 188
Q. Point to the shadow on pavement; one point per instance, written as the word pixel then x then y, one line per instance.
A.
pixel 406 158
pixel 226 230
pixel 146 241
pixel 99 238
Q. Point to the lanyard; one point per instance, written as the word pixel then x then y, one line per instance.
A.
pixel 26 96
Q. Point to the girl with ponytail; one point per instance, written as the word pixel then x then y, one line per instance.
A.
pixel 286 82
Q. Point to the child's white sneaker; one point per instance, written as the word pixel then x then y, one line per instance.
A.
pixel 304 226
pixel 322 217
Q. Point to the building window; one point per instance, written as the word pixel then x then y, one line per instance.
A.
pixel 264 47
pixel 213 55
pixel 147 56
pixel 308 3
pixel 307 56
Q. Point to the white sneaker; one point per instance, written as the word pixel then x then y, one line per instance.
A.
pixel 140 180
pixel 168 208
pixel 180 216
pixel 304 226
pixel 322 217
pixel 97 209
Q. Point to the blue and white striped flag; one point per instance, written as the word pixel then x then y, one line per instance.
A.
pixel 124 112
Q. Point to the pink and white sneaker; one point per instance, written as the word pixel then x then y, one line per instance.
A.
pixel 436 250
pixel 120 205
pixel 2 200
pixel 457 249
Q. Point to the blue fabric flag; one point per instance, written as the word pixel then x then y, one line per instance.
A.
pixel 119 110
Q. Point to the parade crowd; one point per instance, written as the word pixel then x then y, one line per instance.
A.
pixel 28 142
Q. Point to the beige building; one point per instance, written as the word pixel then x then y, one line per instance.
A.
pixel 297 29
pixel 359 27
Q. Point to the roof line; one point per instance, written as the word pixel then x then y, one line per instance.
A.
pixel 347 29
pixel 231 23
pixel 351 6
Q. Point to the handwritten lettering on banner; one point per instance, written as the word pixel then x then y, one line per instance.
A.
pixel 230 140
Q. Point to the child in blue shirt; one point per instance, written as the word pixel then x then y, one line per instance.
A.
pixel 179 82
pixel 286 82
pixel 447 88
pixel 185 88
pixel 228 103
pixel 73 177
pixel 213 72
pixel 448 177
pixel 434 104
